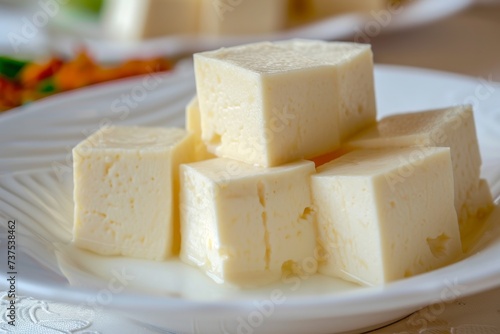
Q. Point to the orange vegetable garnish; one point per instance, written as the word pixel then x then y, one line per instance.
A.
pixel 76 73
pixel 37 80
pixel 83 71
pixel 138 67
pixel 33 73
pixel 325 158
pixel 10 94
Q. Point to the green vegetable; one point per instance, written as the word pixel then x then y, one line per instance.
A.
pixel 47 86
pixel 93 6
pixel 10 67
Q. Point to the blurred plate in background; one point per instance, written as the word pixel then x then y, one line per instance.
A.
pixel 68 34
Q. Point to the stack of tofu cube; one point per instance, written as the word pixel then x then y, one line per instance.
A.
pixel 284 170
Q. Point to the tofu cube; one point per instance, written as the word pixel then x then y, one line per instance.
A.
pixel 272 103
pixel 142 19
pixel 241 224
pixel 241 17
pixel 126 191
pixel 386 214
pixel 193 125
pixel 449 127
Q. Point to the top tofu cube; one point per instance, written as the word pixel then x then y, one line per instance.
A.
pixel 271 103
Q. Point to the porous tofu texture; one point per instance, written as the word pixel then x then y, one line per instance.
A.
pixel 240 224
pixel 272 103
pixel 125 191
pixel 386 214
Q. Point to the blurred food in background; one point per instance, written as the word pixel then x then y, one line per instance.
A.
pixel 91 6
pixel 243 17
pixel 144 19
pixel 23 81
pixel 306 11
pixel 141 19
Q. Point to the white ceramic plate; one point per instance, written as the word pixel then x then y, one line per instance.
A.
pixel 36 191
pixel 69 36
